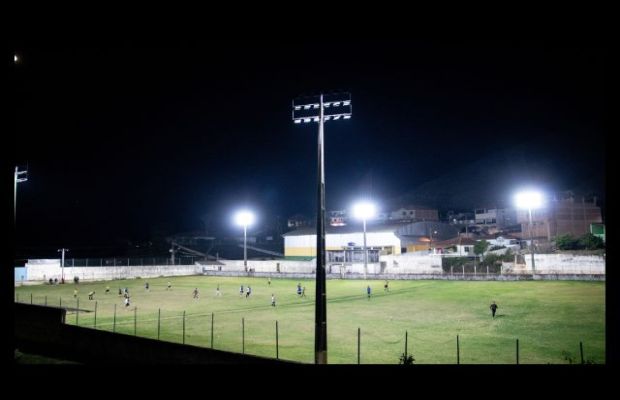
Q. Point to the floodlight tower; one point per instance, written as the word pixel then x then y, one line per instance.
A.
pixel 16 180
pixel 319 109
pixel 530 200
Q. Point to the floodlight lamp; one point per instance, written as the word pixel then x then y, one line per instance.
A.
pixel 364 210
pixel 244 218
pixel 529 200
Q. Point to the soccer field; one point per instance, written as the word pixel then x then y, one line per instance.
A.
pixel 549 318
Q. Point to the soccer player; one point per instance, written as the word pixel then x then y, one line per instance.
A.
pixel 217 291
pixel 386 288
pixel 169 286
pixel 273 300
pixel 493 309
pixel 74 293
pixel 368 291
pixel 196 293
pixel 90 295
pixel 107 289
pixel 303 291
pixel 299 289
pixel 248 293
pixel 241 290
pixel 146 286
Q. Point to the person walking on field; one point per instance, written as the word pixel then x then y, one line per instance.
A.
pixel 493 309
pixel 273 300
pixel 195 293
pixel 368 291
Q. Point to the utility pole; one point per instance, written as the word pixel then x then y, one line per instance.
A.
pixel 339 107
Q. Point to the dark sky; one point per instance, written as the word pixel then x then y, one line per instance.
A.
pixel 122 141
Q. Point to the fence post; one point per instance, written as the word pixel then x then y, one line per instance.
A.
pixel 463 270
pixel 487 270
pixel 60 302
pixel 405 345
pixel 46 300
pixel 183 327
pixel 135 321
pixel 517 351
pixel 212 316
pixel 581 351
pixel 451 270
pixel 30 297
pixel 359 334
pixel 242 335
pixel 458 351
pixel 277 344
pixel 475 270
pixel 77 311
pixel 95 315
pixel 114 323
pixel 158 322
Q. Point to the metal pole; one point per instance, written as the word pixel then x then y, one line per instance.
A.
pixel 114 321
pixel 135 321
pixel 320 332
pixel 517 351
pixel 15 197
pixel 277 344
pixel 30 297
pixel 245 249
pixel 359 334
pixel 45 300
pixel 60 302
pixel 242 336
pixel 405 345
pixel 581 351
pixel 458 351
pixel 183 327
pixel 212 316
pixel 532 242
pixel 95 315
pixel 77 311
pixel 365 251
pixel 158 322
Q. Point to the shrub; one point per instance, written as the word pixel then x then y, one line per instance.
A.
pixel 481 246
pixel 590 242
pixel 406 359
pixel 566 242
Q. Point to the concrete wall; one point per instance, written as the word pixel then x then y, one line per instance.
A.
pixel 21 274
pixel 565 264
pixel 412 264
pixel 40 270
pixel 286 266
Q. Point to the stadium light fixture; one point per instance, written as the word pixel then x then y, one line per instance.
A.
pixel 365 211
pixel 325 113
pixel 244 218
pixel 530 200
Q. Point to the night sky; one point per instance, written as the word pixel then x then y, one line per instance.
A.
pixel 122 142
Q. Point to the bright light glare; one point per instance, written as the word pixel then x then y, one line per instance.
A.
pixel 244 218
pixel 529 200
pixel 364 210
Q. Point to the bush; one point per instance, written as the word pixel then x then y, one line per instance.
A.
pixel 590 242
pixel 406 359
pixel 566 242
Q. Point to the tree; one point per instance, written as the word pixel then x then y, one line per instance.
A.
pixel 481 246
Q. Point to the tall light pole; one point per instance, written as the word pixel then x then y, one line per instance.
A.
pixel 530 200
pixel 62 264
pixel 320 109
pixel 244 218
pixel 16 180
pixel 364 211
pixel 430 243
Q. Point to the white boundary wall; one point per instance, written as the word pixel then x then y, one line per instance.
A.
pixel 46 269
pixel 410 263
pixel 565 264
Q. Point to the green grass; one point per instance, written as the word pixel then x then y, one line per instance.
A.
pixel 549 318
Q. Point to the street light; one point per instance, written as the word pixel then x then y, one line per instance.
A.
pixel 530 200
pixel 365 211
pixel 244 218
pixel 320 109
